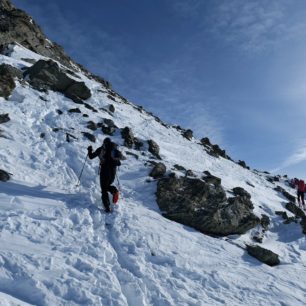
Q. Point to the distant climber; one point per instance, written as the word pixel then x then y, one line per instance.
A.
pixel 110 158
pixel 300 192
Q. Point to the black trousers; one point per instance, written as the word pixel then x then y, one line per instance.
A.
pixel 301 197
pixel 106 186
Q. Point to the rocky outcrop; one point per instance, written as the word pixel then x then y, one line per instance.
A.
pixel 4 118
pixel 154 148
pixel 12 71
pixel 158 171
pixel 298 212
pixel 4 176
pixel 285 193
pixel 7 83
pixel 46 75
pixel 188 134
pixel 243 164
pixel 266 256
pixel 204 206
pixel 213 150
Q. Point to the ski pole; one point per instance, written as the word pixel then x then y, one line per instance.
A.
pixel 118 183
pixel 79 180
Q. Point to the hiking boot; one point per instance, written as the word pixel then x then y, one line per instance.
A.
pixel 116 197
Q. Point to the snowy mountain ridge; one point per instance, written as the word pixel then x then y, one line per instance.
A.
pixel 57 248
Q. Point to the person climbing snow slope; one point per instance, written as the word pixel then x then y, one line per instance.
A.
pixel 110 158
pixel 300 192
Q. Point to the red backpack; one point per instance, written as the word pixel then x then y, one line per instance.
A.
pixel 301 186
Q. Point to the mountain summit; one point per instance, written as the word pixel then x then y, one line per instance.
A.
pixel 192 226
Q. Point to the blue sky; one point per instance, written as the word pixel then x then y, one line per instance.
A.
pixel 230 70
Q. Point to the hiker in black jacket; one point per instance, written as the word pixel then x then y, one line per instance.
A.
pixel 109 160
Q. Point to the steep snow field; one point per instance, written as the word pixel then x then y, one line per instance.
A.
pixel 58 248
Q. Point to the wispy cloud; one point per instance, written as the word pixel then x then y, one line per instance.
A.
pixel 255 25
pixel 296 158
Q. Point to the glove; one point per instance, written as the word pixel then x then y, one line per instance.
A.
pixel 89 149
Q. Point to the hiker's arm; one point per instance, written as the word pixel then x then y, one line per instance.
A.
pixel 92 154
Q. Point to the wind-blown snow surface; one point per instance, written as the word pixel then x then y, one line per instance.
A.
pixel 57 248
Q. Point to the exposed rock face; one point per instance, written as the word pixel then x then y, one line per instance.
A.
pixel 243 164
pixel 154 148
pixel 158 171
pixel 266 256
pixel 4 118
pixel 213 150
pixel 298 212
pixel 188 134
pixel 239 191
pixel 48 75
pixel 7 83
pixel 17 27
pixel 4 176
pixel 204 206
pixel 8 69
pixel 286 194
pixel 211 179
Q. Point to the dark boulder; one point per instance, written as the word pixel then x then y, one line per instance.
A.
pixel 7 83
pixel 128 137
pixel 74 110
pixel 111 108
pixel 154 148
pixel 285 193
pixel 158 171
pixel 298 212
pixel 211 179
pixel 108 127
pixel 179 167
pixel 45 75
pixel 10 70
pixel 243 164
pixel 266 256
pixel 4 118
pixel 190 173
pixel 89 136
pixel 4 176
pixel 239 191
pixel 205 141
pixel 265 222
pixel 204 206
pixel 188 134
pixel 91 125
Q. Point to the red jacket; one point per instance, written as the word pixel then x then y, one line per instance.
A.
pixel 301 186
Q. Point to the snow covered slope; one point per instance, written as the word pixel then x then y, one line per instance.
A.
pixel 57 248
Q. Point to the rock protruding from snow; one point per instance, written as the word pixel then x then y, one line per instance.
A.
pixel 154 148
pixel 213 150
pixel 46 75
pixel 298 212
pixel 128 136
pixel 13 71
pixel 285 193
pixel 4 118
pixel 205 206
pixel 266 256
pixel 4 176
pixel 7 83
pixel 158 171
